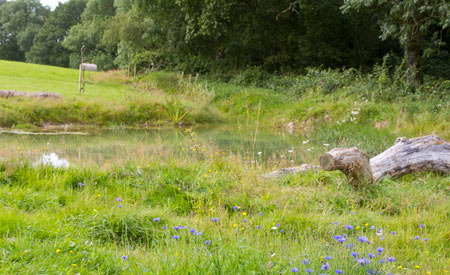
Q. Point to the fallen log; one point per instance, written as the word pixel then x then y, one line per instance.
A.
pixel 354 163
pixel 10 93
pixel 406 156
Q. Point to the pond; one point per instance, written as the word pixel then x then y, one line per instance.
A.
pixel 103 147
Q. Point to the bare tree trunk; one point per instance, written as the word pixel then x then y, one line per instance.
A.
pixel 406 156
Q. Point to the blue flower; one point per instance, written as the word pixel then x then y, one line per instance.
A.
pixel 416 238
pixel 119 199
pixel 176 237
pixel 120 206
pixel 393 232
pixel 391 259
pixel 349 227
pixel 421 225
pixel 281 230
pixel 380 250
pixel 177 228
pixel 337 237
pixel 278 225
pixel 372 227
pixel 382 261
pixel 208 242
pixel 164 227
pixel 156 219
pixel 260 213
pixel 294 270
pixel 326 266
pixel 235 207
pixel 354 254
pixel 309 270
pixel 245 220
pixel 338 271
pixel 305 261
pixel 193 231
pixel 425 239
pixel 198 233
pixel 363 239
pixel 124 258
pixel 258 227
pixel 328 258
pixel 363 261
pixel 371 255
pixel 81 184
pixel 214 219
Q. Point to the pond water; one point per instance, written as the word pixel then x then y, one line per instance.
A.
pixel 142 146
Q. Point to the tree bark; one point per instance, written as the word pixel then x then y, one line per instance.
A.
pixel 354 163
pixel 406 156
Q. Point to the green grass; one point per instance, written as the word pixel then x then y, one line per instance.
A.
pixel 55 221
pixel 50 223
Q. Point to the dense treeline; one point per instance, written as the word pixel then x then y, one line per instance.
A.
pixel 216 35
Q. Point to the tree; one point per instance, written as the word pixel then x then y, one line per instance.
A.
pixel 47 47
pixel 19 22
pixel 410 22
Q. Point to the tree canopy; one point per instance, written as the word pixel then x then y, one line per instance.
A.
pixel 201 36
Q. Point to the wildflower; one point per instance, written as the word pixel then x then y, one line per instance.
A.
pixel 244 214
pixel 363 239
pixel 281 230
pixel 81 184
pixel 366 225
pixel 294 270
pixel 164 227
pixel 425 239
pixel 58 250
pixel 372 227
pixel 379 250
pixel 260 213
pixel 391 259
pixel 358 227
pixel 382 261
pixel 193 231
pixel 393 233
pixel 176 237
pixel 371 255
pixel 421 225
pixel 74 264
pixel 326 266
pixel 278 225
pixel 235 207
pixel 309 270
pixel 120 206
pixel 417 266
pixel 338 271
pixel 349 227
pixel 214 219
pixel 305 261
pixel 399 267
pixel 198 233
pixel 363 261
pixel 156 219
pixel 328 258
pixel 124 258
pixel 274 228
pixel 416 238
pixel 354 254
pixel 235 225
pixel 353 212
pixel 337 237
pixel 207 242
pixel 119 199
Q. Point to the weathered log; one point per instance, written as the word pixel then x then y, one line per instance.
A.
pixel 354 163
pixel 11 93
pixel 406 156
pixel 305 168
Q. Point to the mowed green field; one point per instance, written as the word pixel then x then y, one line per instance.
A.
pixel 42 78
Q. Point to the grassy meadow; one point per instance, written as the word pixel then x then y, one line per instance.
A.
pixel 202 209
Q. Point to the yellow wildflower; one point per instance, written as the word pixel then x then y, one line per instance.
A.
pixel 58 250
